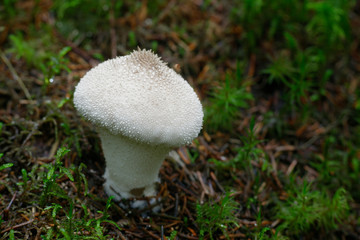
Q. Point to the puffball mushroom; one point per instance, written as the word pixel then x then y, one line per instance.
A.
pixel 142 109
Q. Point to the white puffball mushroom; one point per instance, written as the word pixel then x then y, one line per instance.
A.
pixel 142 109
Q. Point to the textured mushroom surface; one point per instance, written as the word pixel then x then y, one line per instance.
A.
pixel 142 108
pixel 140 97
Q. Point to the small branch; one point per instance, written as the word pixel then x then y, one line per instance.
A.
pixel 15 75
pixel 11 201
pixel 17 226
pixel 184 236
pixel 162 232
pixel 6 210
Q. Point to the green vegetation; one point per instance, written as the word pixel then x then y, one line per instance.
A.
pixel 279 153
pixel 37 53
pixel 7 165
pixel 305 209
pixel 216 216
pixel 42 186
pixel 228 99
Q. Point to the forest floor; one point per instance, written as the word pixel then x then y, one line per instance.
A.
pixel 279 153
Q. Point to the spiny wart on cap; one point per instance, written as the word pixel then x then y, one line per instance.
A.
pixel 142 108
pixel 146 59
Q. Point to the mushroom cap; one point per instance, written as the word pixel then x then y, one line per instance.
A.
pixel 140 97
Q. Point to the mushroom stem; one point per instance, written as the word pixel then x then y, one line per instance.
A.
pixel 131 168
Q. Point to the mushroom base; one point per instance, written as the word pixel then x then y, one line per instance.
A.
pixel 131 167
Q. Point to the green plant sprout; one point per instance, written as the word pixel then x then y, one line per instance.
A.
pixel 225 104
pixel 173 235
pixel 56 170
pixel 38 52
pixel 330 23
pixel 72 227
pixel 12 234
pixel 54 65
pixel 305 209
pixel 246 153
pixel 266 232
pixel 6 165
pixel 280 70
pixel 215 216
pixel 25 181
